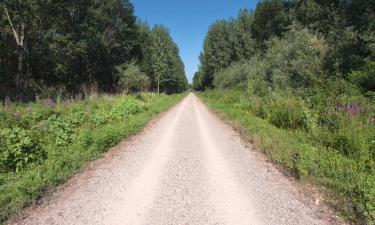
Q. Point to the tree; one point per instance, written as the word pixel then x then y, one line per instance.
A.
pixel 297 59
pixel 131 78
pixel 167 70
pixel 197 81
pixel 240 36
pixel 227 41
pixel 270 19
pixel 343 24
pixel 61 46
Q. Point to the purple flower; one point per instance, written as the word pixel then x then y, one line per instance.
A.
pixel 353 109
pixel 50 103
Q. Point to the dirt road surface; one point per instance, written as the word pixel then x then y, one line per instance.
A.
pixel 186 167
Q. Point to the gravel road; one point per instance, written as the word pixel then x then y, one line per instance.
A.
pixel 186 167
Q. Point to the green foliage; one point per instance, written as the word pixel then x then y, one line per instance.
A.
pixel 18 148
pixel 270 19
pixel 162 62
pixel 365 76
pixel 64 48
pixel 197 81
pixel 296 59
pixel 235 75
pixel 304 42
pixel 287 113
pixel 63 128
pixel 41 147
pixel 131 79
pixel 338 155
pixel 227 41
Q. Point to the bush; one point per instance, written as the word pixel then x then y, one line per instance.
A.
pixel 18 148
pixel 235 75
pixel 297 59
pixel 132 79
pixel 365 76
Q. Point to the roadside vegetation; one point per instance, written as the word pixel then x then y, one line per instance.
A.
pixel 298 76
pixel 72 74
pixel 44 143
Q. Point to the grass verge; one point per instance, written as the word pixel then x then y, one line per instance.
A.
pixel 43 144
pixel 348 178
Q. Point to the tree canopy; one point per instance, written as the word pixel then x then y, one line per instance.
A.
pixel 60 46
pixel 294 32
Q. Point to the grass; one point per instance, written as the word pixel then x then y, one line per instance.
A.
pixel 43 144
pixel 306 157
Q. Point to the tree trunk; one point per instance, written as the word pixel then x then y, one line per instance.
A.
pixel 19 37
pixel 158 84
pixel 19 67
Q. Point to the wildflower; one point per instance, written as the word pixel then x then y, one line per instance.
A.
pixel 353 109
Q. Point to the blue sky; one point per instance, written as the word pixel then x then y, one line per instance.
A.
pixel 188 21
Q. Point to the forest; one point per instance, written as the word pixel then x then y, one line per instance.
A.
pixel 299 78
pixel 72 49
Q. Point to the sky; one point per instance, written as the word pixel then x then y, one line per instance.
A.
pixel 188 22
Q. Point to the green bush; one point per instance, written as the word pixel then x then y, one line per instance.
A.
pixel 18 148
pixel 297 59
pixel 235 75
pixel 131 78
pixel 365 77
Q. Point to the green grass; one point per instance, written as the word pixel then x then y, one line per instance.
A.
pixel 43 144
pixel 304 155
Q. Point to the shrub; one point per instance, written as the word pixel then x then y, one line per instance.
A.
pixel 235 75
pixel 63 128
pixel 297 59
pixel 131 78
pixel 365 76
pixel 18 148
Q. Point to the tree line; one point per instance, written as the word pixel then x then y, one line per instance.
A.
pixel 335 38
pixel 72 48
